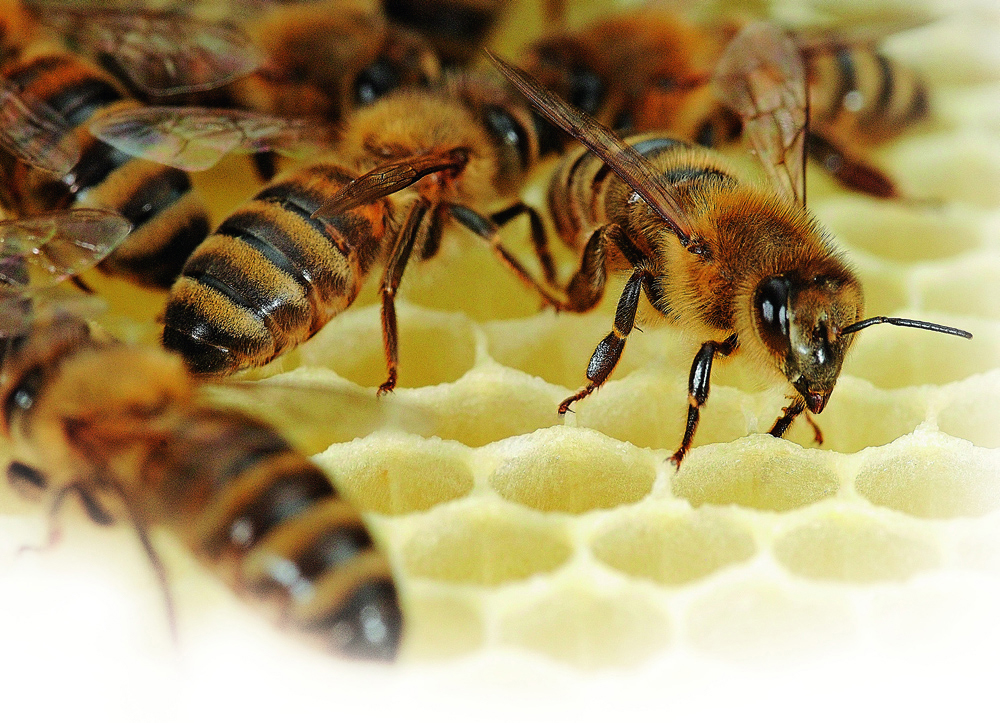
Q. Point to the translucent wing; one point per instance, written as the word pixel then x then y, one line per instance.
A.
pixel 162 53
pixel 762 78
pixel 194 139
pixel 389 178
pixel 40 251
pixel 35 133
pixel 621 158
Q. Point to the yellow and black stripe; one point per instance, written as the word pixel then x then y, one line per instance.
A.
pixel 169 219
pixel 271 275
pixel 230 486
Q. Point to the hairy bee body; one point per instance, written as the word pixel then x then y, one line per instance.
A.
pixel 271 276
pixel 279 268
pixel 231 487
pixel 640 72
pixel 744 234
pixel 168 217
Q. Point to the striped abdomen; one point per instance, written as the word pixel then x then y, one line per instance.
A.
pixel 271 276
pixel 118 425
pixel 169 219
pixel 578 191
pixel 241 497
pixel 862 92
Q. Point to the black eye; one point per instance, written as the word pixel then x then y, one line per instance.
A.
pixel 771 303
pixel 375 81
pixel 507 131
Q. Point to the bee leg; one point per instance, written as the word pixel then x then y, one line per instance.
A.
pixel 788 416
pixel 539 239
pixel 266 164
pixel 393 274
pixel 698 388
pixel 487 230
pixel 26 480
pixel 91 506
pixel 609 350
pixel 850 172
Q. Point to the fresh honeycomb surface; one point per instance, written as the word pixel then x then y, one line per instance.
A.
pixel 557 561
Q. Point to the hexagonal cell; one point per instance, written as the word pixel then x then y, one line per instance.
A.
pixel 484 545
pixel 649 409
pixel 766 619
pixel 861 416
pixel 759 472
pixel 489 403
pixel 574 624
pixel 891 357
pixel 557 348
pixel 849 546
pixel 468 277
pixel 973 411
pixel 968 287
pixel 395 474
pixel 434 347
pixel 672 547
pixel 440 624
pixel 906 233
pixel 931 476
pixel 949 167
pixel 562 469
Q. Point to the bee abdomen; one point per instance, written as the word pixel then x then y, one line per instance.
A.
pixel 272 514
pixel 864 88
pixel 270 277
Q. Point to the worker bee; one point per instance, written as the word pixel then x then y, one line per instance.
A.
pixel 747 269
pixel 652 71
pixel 154 53
pixel 168 217
pixel 137 446
pixel 280 267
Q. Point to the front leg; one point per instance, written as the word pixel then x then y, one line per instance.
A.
pixel 698 388
pixel 788 415
pixel 609 351
pixel 393 274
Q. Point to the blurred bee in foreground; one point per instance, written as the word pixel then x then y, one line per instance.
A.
pixel 746 268
pixel 137 446
pixel 651 71
pixel 54 163
pixel 280 267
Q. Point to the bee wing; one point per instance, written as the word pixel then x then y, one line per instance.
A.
pixel 195 139
pixel 163 53
pixel 40 251
pixel 35 133
pixel 761 76
pixel 389 178
pixel 621 158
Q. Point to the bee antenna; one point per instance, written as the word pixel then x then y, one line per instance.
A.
pixel 914 323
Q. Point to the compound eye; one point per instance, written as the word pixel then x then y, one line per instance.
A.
pixel 375 81
pixel 507 132
pixel 772 312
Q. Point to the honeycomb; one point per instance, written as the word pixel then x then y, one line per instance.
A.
pixel 563 563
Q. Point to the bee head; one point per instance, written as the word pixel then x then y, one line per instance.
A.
pixel 800 322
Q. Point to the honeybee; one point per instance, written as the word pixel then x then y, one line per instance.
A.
pixel 138 447
pixel 746 268
pixel 280 267
pixel 168 217
pixel 154 53
pixel 649 71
